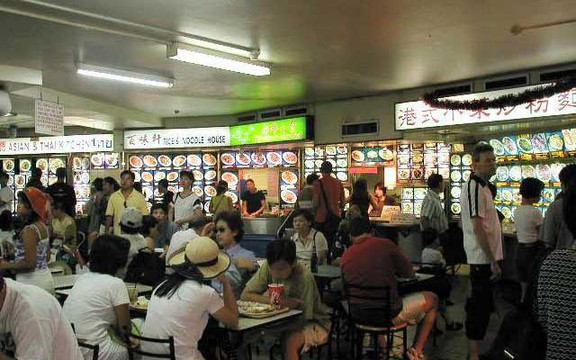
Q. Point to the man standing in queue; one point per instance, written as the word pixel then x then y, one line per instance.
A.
pixel 253 200
pixel 124 198
pixel 482 242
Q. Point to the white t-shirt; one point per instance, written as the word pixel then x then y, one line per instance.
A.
pixel 477 202
pixel 184 316
pixel 527 219
pixel 185 206
pixel 32 325
pixel 90 307
pixel 304 252
pixel 6 195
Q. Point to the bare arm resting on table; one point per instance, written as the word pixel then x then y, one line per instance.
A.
pixel 228 315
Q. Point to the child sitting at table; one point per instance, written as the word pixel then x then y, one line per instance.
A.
pixel 300 292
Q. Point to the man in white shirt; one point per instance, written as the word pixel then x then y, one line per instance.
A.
pixel 432 214
pixel 6 193
pixel 32 325
pixel 482 242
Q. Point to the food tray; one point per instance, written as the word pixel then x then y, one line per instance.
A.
pixel 261 315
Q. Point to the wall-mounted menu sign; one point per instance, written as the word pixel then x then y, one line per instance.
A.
pixel 298 128
pixel 418 115
pixel 48 118
pixel 176 138
pixel 57 144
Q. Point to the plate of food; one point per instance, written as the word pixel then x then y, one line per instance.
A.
pixel 407 208
pixel 509 146
pixel 528 171
pixel 111 160
pixel 25 165
pixel 467 160
pixel 172 176
pixel 403 174
pixel 85 177
pixel 507 195
pixel 555 142
pixel 309 152
pixel 193 160
pixel 539 143
pixel 230 178
pixel 164 161
pixel 210 190
pixel 332 162
pixel 197 190
pixel 227 159
pixel 309 164
pixel 544 172
pixel 159 175
pixel 243 158
pixel 137 176
pixel 515 173
pixel 197 174
pixel 147 177
pixel 548 195
pixel 456 208
pixel 342 176
pixel 455 160
pixel 507 212
pixel 258 310
pixel 498 147
pixel 502 173
pixel 331 150
pixel 150 161
pixel 258 158
pixel 357 155
pixel 318 163
pixel 140 304
pixel 420 193
pixel 569 139
pixel 455 192
pixel 76 163
pixel 555 169
pixel 274 158
pixel 289 177
pixel 319 152
pixel 19 180
pixel 288 196
pixel 372 155
pixel 525 145
pixel 134 161
pixel 8 165
pixel 417 158
pixel 209 159
pixel 408 193
pixel 456 176
pixel 342 163
pixel 386 154
pixel 290 157
pixel 55 163
pixel 210 175
pixel 342 150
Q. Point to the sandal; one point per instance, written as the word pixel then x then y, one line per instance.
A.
pixel 413 354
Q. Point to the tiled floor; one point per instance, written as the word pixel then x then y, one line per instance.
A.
pixel 450 345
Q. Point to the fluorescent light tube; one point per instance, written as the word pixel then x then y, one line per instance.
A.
pixel 124 76
pixel 217 60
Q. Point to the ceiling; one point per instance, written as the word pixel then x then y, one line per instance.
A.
pixel 319 50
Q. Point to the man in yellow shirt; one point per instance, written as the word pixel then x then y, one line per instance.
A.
pixel 124 198
pixel 63 226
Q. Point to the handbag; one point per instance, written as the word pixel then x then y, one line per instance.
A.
pixel 332 221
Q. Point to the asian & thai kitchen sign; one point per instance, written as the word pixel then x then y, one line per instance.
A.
pixel 57 144
pixel 418 115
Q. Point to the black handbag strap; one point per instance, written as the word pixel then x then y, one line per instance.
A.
pixel 328 210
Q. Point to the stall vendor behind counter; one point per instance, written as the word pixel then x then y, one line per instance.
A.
pixel 253 200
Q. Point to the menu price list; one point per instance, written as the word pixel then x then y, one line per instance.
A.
pixel 337 155
pixel 460 171
pixel 416 162
pixel 375 155
pixel 412 198
pixel 150 169
pixel 289 186
pixel 256 159
pixel 81 181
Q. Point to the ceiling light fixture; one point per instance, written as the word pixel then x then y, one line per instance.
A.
pixel 124 76
pixel 218 60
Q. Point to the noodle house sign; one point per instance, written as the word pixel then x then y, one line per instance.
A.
pixel 176 138
pixel 418 115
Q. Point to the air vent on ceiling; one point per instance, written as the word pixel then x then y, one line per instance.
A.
pixel 453 90
pixel 557 75
pixel 270 114
pixel 506 83
pixel 296 111
pixel 246 118
pixel 360 128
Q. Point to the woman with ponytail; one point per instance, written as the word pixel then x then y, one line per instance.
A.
pixel 181 305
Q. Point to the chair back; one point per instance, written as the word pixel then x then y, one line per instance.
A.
pixel 95 349
pixel 137 351
pixel 368 305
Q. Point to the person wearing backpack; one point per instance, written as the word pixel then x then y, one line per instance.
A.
pixel 328 200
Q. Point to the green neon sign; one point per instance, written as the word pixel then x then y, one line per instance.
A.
pixel 270 131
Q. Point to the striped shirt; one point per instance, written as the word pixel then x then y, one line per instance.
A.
pixel 432 214
pixel 477 202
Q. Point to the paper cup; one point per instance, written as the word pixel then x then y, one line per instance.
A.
pixel 275 291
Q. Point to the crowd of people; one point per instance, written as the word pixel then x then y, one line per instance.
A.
pixel 208 269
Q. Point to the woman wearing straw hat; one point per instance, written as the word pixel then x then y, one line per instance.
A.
pixel 181 305
pixel 32 242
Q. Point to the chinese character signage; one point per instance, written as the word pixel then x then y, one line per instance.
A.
pixel 57 144
pixel 418 115
pixel 176 138
pixel 298 128
pixel 48 118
